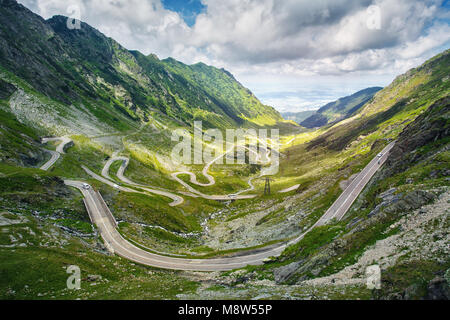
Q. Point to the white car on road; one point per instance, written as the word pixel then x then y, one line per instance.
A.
pixel 379 158
pixel 86 186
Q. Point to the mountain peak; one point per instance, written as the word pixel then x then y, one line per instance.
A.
pixel 9 3
pixel 72 66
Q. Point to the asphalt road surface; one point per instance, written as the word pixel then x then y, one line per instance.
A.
pixel 55 154
pixel 102 217
pixel 346 199
pixel 177 200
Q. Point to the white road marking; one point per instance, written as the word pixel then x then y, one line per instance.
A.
pixel 125 249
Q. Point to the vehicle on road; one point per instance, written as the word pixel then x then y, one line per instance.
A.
pixel 86 186
pixel 379 158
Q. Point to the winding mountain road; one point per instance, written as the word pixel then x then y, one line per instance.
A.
pixel 289 189
pixel 55 154
pixel 103 218
pixel 234 196
pixel 177 200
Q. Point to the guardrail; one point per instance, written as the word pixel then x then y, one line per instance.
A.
pixel 88 210
pixel 106 209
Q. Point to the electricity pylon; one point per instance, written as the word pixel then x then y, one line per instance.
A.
pixel 267 187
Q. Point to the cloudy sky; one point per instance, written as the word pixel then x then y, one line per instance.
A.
pixel 293 54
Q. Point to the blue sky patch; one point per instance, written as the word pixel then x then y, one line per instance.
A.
pixel 187 9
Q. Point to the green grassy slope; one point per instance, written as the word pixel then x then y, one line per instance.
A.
pixel 84 67
pixel 417 171
pixel 340 109
pixel 86 85
pixel 393 107
pixel 45 229
pixel 414 110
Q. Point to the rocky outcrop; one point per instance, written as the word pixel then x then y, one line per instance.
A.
pixel 430 127
pixel 31 159
pixel 438 289
pixel 393 203
pixel 305 268
pixel 6 89
pixel 282 274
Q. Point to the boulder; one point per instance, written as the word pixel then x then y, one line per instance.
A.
pixel 438 289
pixel 93 277
pixel 284 273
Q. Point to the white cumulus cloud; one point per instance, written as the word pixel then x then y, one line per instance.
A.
pixel 269 40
